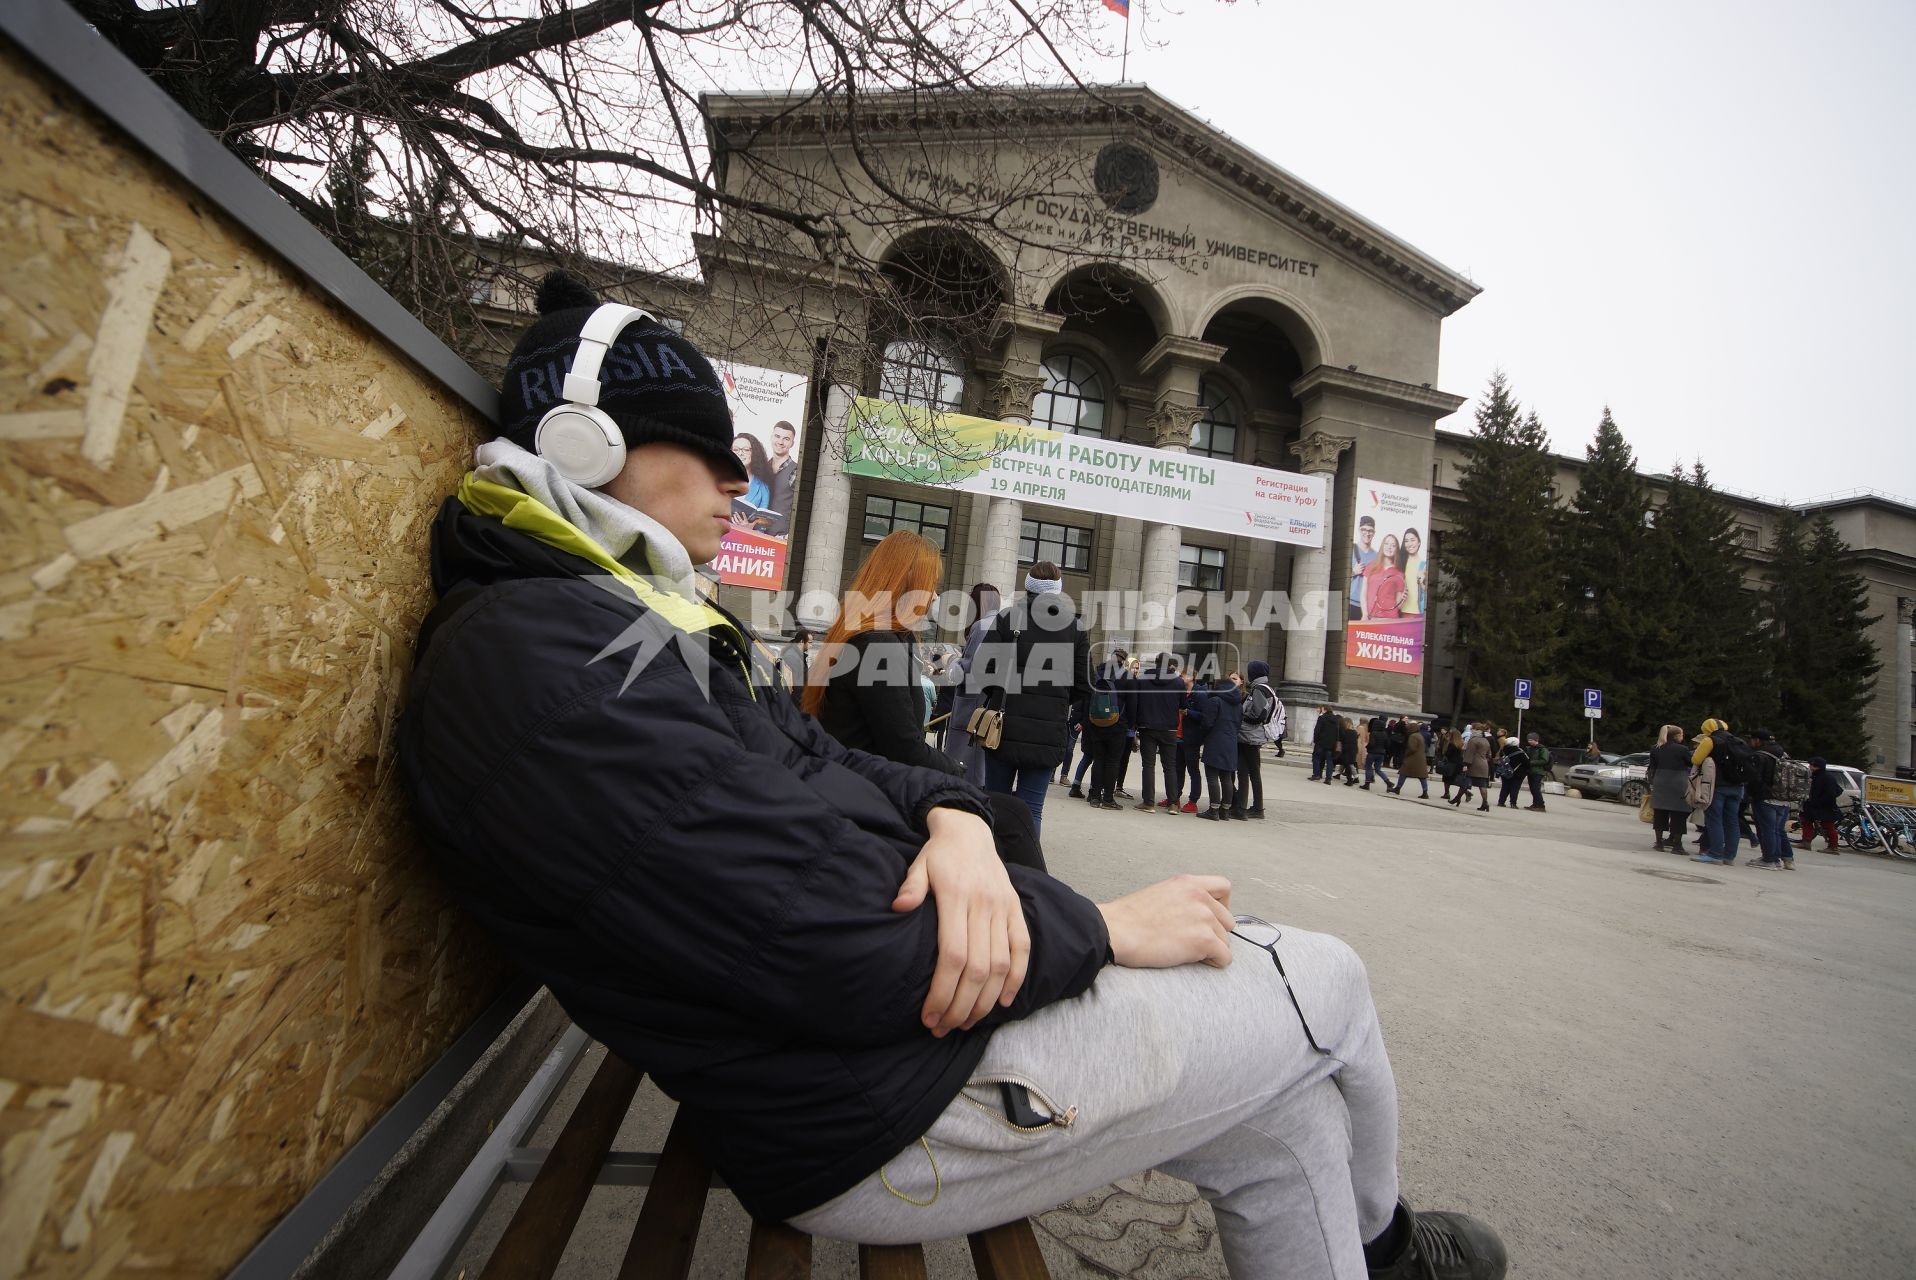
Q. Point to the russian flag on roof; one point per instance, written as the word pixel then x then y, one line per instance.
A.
pixel 1119 6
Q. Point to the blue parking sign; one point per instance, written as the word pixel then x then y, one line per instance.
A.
pixel 1523 689
pixel 1593 699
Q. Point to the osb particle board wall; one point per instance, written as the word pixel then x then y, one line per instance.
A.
pixel 220 956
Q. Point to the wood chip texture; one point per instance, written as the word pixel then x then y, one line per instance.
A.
pixel 222 956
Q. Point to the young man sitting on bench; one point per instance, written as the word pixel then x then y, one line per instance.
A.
pixel 879 1031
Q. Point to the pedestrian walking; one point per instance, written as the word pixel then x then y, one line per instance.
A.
pixel 1820 811
pixel 1325 735
pixel 1539 756
pixel 1260 707
pixel 1476 772
pixel 1376 750
pixel 1349 749
pixel 1766 807
pixel 1669 780
pixel 1513 766
pixel 1450 762
pixel 1415 765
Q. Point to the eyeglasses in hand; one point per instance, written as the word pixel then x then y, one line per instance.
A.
pixel 1263 935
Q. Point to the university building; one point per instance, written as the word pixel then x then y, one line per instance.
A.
pixel 1149 281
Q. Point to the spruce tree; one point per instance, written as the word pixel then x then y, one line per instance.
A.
pixel 1717 659
pixel 1615 598
pixel 1498 557
pixel 1819 623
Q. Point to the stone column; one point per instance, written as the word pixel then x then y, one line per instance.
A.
pixel 1304 649
pixel 1905 633
pixel 1004 518
pixel 1177 364
pixel 831 505
pixel 1158 585
pixel 1022 331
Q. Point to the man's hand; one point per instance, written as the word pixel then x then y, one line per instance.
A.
pixel 983 945
pixel 1183 920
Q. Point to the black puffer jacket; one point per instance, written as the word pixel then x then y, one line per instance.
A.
pixel 697 870
pixel 877 704
pixel 1035 664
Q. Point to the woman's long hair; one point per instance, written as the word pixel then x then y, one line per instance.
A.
pixel 760 467
pixel 902 566
pixel 1670 733
pixel 984 601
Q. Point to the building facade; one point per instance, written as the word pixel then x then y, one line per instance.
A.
pixel 1115 268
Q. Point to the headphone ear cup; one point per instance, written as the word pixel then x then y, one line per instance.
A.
pixel 582 444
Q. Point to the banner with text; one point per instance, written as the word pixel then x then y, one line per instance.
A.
pixel 1035 464
pixel 1390 578
pixel 768 410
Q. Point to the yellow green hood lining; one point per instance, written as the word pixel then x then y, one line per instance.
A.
pixel 525 514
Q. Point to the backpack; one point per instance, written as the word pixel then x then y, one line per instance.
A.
pixel 1762 773
pixel 1792 784
pixel 1274 726
pixel 1735 761
pixel 1104 709
pixel 1262 706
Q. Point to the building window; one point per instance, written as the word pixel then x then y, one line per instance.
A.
pixel 921 373
pixel 1201 568
pixel 1747 536
pixel 1206 655
pixel 885 515
pixel 1215 434
pixel 1072 399
pixel 1068 546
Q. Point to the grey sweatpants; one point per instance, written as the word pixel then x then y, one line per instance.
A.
pixel 1202 1073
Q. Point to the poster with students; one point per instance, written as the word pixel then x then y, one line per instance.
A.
pixel 1389 577
pixel 768 412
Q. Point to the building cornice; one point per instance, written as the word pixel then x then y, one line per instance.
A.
pixel 1378 390
pixel 1171 346
pixel 737 121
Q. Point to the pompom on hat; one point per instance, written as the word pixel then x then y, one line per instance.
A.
pixel 653 383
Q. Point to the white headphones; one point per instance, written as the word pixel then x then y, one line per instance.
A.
pixel 576 437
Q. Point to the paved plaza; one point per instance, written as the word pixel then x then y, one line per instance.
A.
pixel 1634 1065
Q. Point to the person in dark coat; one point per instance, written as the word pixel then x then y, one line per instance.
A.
pixel 1221 713
pixel 813 950
pixel 1155 693
pixel 1325 735
pixel 868 693
pixel 1349 748
pixel 1104 743
pixel 1821 808
pixel 1034 665
pixel 1450 761
pixel 1376 751
pixel 1668 776
pixel 1190 744
pixel 1516 770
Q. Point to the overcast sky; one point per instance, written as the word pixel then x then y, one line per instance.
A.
pixel 1698 213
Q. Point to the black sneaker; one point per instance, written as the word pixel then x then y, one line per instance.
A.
pixel 1076 792
pixel 1446 1246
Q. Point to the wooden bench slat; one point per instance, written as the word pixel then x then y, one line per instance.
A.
pixel 668 1227
pixel 1009 1252
pixel 537 1234
pixel 891 1262
pixel 778 1252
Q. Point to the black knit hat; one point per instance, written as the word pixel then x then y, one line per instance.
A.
pixel 652 382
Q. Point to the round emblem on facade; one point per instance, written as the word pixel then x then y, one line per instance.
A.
pixel 1126 177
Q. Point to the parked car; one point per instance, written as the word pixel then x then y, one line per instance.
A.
pixel 1851 781
pixel 1612 778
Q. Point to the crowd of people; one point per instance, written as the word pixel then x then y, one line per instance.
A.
pixel 1732 789
pixel 1467 760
